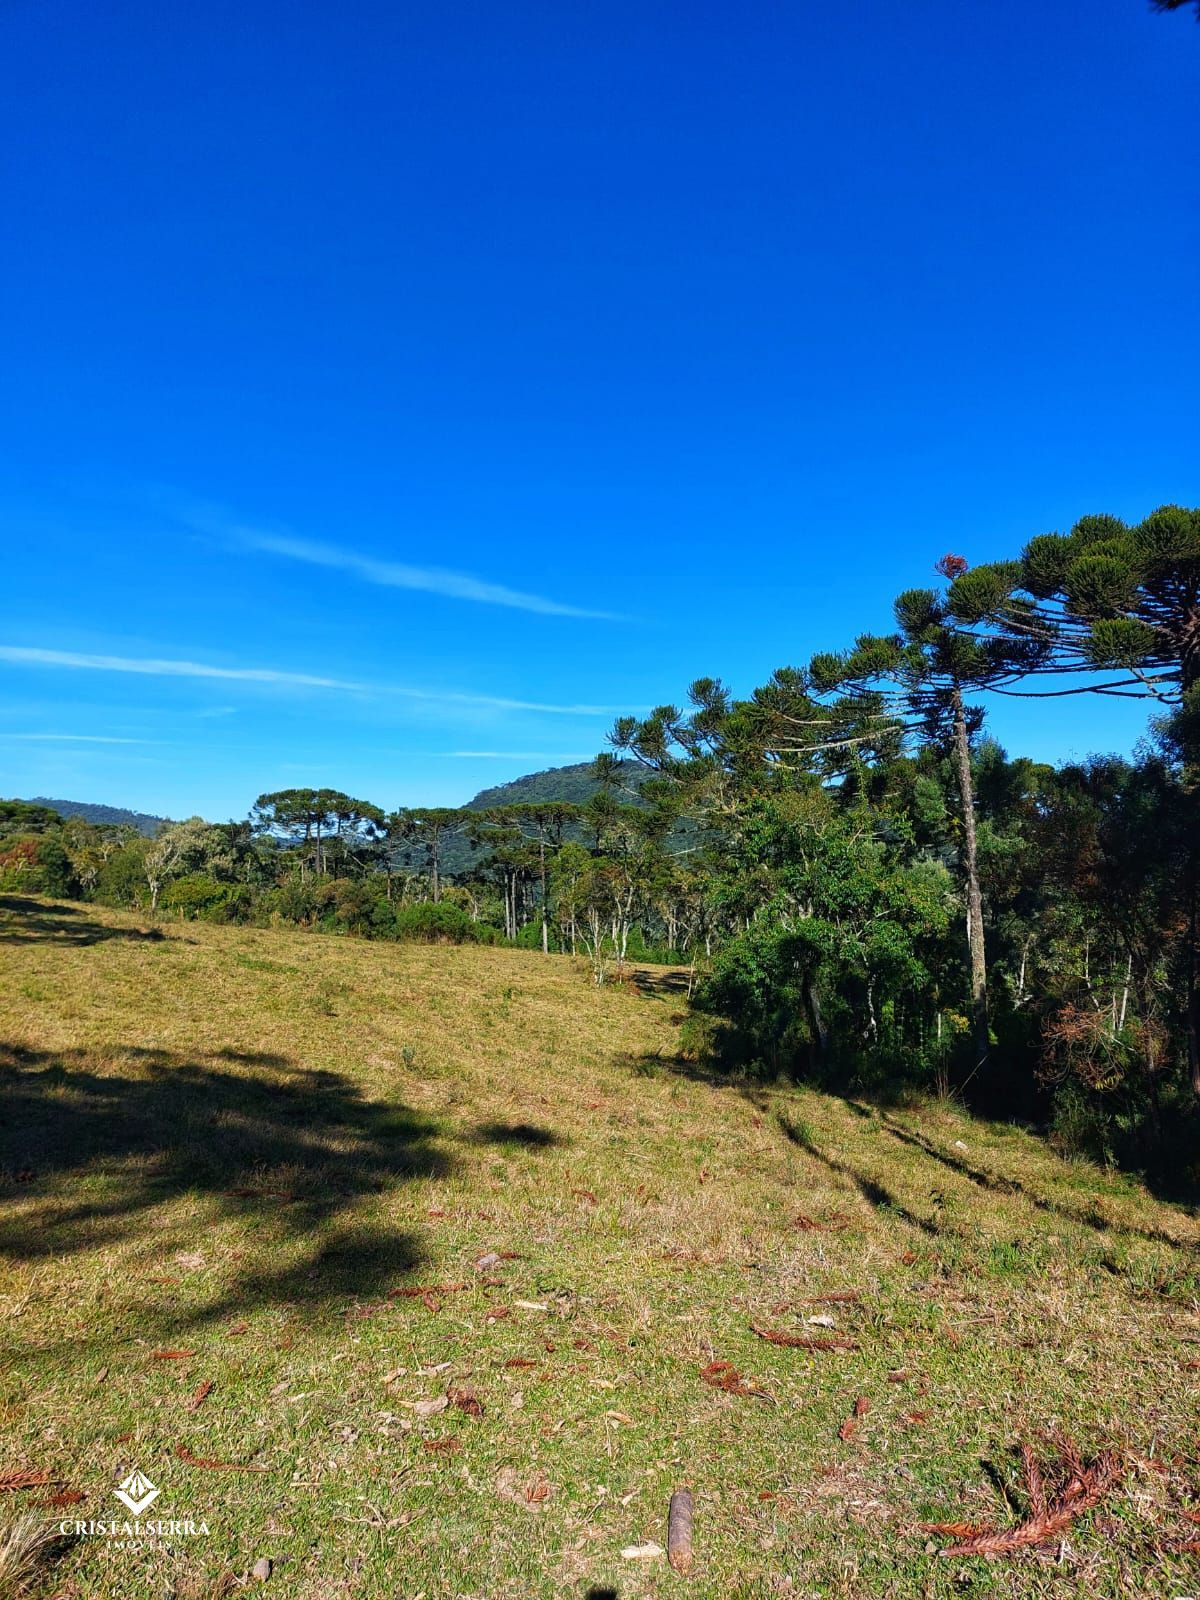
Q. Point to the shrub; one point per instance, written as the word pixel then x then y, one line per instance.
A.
pixel 442 923
pixel 37 865
pixel 195 894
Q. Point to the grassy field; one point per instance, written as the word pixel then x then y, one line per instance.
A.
pixel 229 1158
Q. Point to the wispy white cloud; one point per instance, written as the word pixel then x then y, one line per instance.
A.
pixel 430 580
pixel 443 581
pixel 78 738
pixel 35 656
pixel 156 667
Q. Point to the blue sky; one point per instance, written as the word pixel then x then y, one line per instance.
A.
pixel 385 384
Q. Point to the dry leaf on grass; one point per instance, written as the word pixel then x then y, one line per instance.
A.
pixel 441 1447
pixel 725 1376
pixel 641 1552
pixel 850 1427
pixel 64 1497
pixel 199 1396
pixel 190 1460
pixel 513 1486
pixel 171 1355
pixel 466 1400
pixel 520 1361
pixel 430 1408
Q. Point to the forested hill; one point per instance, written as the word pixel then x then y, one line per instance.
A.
pixel 116 815
pixel 571 785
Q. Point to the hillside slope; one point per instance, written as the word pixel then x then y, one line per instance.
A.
pixel 572 785
pixel 92 812
pixel 438 1247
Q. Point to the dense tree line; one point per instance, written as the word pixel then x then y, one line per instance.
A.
pixel 863 886
pixel 914 905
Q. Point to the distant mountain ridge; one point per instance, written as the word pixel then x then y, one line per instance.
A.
pixel 117 815
pixel 572 785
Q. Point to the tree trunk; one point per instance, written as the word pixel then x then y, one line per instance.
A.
pixel 820 1031
pixel 545 905
pixel 1193 982
pixel 962 762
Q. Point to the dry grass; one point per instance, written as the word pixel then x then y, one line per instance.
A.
pixel 225 1150
pixel 27 1545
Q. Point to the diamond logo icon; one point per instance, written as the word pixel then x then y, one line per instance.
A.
pixel 137 1492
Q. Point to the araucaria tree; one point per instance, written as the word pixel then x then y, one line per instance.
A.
pixel 1115 610
pixel 915 682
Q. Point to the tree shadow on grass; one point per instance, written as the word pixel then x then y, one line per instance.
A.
pixel 661 982
pixel 1000 1183
pixel 94 1142
pixel 872 1191
pixel 523 1135
pixel 45 922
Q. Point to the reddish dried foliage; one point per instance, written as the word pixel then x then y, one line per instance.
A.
pixel 186 1456
pixel 850 1427
pixel 725 1376
pixel 200 1395
pixel 802 1341
pixel 419 1291
pixel 23 1479
pixel 64 1497
pixel 441 1447
pixel 171 1355
pixel 951 566
pixel 1077 1489
pixel 467 1401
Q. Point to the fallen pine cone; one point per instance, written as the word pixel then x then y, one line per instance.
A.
pixel 679 1531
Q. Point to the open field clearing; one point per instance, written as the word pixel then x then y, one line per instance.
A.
pixel 433 1271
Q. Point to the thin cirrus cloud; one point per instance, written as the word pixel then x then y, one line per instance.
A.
pixel 384 574
pixel 155 667
pixel 77 738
